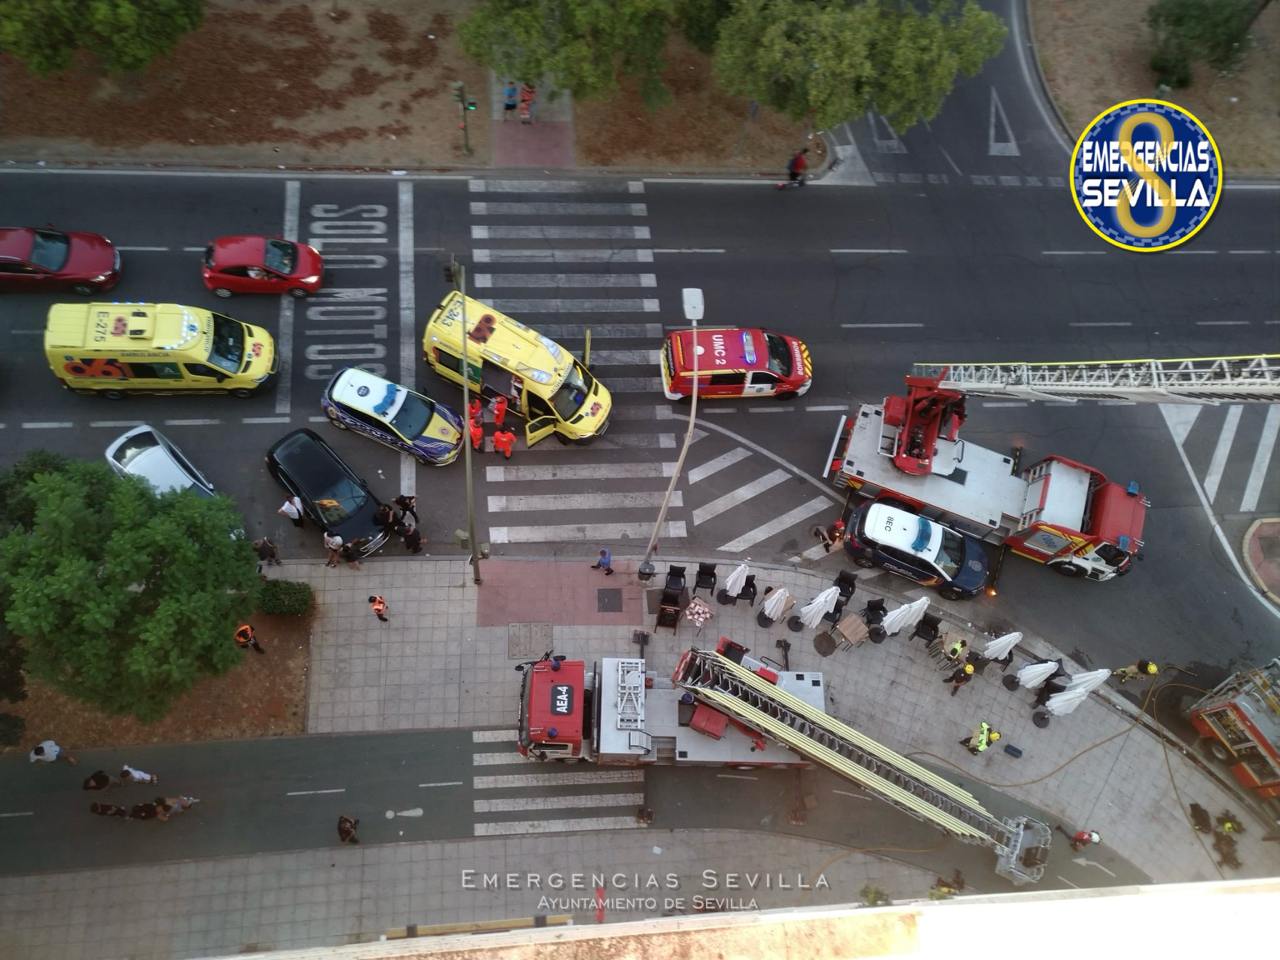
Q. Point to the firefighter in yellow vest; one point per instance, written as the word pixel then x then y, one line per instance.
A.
pixel 981 738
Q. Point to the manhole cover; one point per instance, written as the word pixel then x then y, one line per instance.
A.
pixel 528 640
pixel 609 600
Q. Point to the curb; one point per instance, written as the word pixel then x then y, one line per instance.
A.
pixel 1248 560
pixel 1030 43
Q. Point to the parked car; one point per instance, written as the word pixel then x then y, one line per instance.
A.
pixel 34 259
pixel 395 416
pixel 145 452
pixel 252 264
pixel 891 536
pixel 333 496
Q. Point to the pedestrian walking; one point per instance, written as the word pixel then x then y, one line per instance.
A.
pixel 510 98
pixel 959 678
pixel 982 737
pixel 130 774
pixel 499 410
pixel 108 810
pixel 476 410
pixel 1081 838
pixel 830 536
pixel 167 807
pixel 350 552
pixel 379 607
pixel 1200 819
pixel 795 169
pixel 384 516
pixel 407 503
pixel 332 543
pixel 247 637
pixel 1143 668
pixel 503 440
pixel 144 811
pixel 477 434
pixel 100 780
pixel 267 553
pixel 347 827
pixel 48 751
pixel 528 95
pixel 605 562
pixel 413 540
pixel 292 508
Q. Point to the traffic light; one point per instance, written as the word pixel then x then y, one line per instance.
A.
pixel 471 104
pixel 459 90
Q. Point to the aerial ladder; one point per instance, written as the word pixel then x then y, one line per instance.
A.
pixel 1021 844
pixel 1204 380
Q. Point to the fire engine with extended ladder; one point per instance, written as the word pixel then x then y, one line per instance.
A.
pixel 725 708
pixel 1239 720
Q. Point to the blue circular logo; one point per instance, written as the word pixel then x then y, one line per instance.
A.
pixel 1146 175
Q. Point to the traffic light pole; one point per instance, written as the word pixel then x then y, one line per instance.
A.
pixel 464 105
pixel 456 274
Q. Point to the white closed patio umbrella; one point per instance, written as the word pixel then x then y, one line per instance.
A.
pixel 1034 674
pixel 776 604
pixel 1000 647
pixel 1077 690
pixel 734 582
pixel 904 617
pixel 811 613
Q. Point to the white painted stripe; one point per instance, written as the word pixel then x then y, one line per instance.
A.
pixel 1073 253
pixel 492 736
pixel 556 186
pixel 1004 403
pixel 1222 323
pixel 284 335
pixel 634 384
pixel 30 333
pixel 354 261
pixel 153 249
pixel 583 501
pixel 563 255
pixel 442 783
pixel 1193 253
pixel 578 471
pixel 734 776
pixel 408 319
pixel 579 232
pixel 854 796
pixel 816 552
pixel 1261 460
pixel 611 280
pixel 496 759
pixel 1117 403
pixel 536 208
pixel 777 525
pixel 191 423
pixel 24 813
pixel 636 441
pixel 619 358
pixel 1101 323
pixel 510 781
pixel 318 419
pixel 867 250
pixel 718 411
pixel 601 331
pixel 590 532
pixel 312 793
pixel 560 802
pixel 1248 252
pixel 689 250
pixel 879 326
pixel 376 331
pixel 518 307
pixel 1221 451
pixel 269 419
pixel 522 827
pixel 47 425
pixel 827 408
pixel 738 496
pixel 768 409
pixel 117 423
pixel 704 470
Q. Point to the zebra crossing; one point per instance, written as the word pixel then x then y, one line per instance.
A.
pixel 598 271
pixel 549 797
pixel 1230 452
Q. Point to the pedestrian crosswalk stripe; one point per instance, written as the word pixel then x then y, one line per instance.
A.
pixel 583 801
pixel 1221 451
pixel 510 781
pixel 619 358
pixel 536 208
pixel 601 331
pixel 496 759
pixel 739 495
pixel 521 827
pixel 777 525
pixel 816 552
pixel 704 470
pixel 492 736
pixel 636 441
pixel 489 280
pixel 634 384
pixel 1261 460
pixel 578 471
pixel 562 255
pixel 577 532
pixel 556 186
pixel 557 232
pixel 583 501
pixel 556 305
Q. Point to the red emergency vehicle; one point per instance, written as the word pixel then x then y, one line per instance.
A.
pixel 735 362
pixel 1240 721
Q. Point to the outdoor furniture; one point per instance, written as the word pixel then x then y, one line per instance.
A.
pixel 669 610
pixel 928 629
pixel 706 578
pixel 698 612
pixel 847 583
pixel 675 578
pixel 835 613
pixel 850 632
pixel 764 620
pixel 873 613
pixel 748 593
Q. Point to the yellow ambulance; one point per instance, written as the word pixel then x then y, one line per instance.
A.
pixel 542 381
pixel 113 349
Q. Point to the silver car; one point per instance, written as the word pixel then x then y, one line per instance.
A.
pixel 145 452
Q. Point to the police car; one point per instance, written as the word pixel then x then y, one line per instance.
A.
pixel 889 535
pixel 393 415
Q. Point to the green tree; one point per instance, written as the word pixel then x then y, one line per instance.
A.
pixel 827 60
pixel 13 686
pixel 582 46
pixel 700 21
pixel 1214 32
pixel 124 598
pixel 122 34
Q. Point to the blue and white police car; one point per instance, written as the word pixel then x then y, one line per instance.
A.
pixel 395 416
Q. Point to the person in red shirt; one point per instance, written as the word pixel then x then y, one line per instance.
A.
pixel 476 410
pixel 796 168
pixel 499 410
pixel 502 442
pixel 477 435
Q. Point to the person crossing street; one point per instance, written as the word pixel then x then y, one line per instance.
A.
pixel 503 440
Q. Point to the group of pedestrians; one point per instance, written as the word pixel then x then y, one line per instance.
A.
pixel 160 808
pixel 503 438
pixel 520 98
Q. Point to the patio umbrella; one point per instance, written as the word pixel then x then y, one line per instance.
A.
pixel 1000 647
pixel 734 582
pixel 1066 701
pixel 1034 674
pixel 777 603
pixel 904 617
pixel 811 613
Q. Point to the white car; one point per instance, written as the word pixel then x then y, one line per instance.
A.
pixel 145 452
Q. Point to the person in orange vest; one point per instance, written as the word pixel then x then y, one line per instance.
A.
pixel 246 637
pixel 379 607
pixel 477 435
pixel 499 410
pixel 476 410
pixel 502 441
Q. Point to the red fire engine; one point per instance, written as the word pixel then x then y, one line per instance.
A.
pixel 1240 721
pixel 1058 512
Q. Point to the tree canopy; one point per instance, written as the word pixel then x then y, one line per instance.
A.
pixel 122 598
pixel 829 60
pixel 122 34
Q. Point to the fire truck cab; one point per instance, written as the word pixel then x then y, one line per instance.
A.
pixel 735 362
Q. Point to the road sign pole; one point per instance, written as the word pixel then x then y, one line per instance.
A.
pixel 457 274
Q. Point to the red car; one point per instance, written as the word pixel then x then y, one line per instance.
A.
pixel 33 259
pixel 262 265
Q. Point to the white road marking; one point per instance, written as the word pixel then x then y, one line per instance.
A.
pixel 1068 882
pixel 704 470
pixel 1048 120
pixel 954 166
pixel 620 358
pixel 284 336
pixel 827 408
pixel 563 255
pixel 855 796
pixel 689 250
pixel 580 232
pixel 1000 148
pixel 634 384
pixel 310 793
pixel 47 425
pixel 192 423
pixel 578 471
pixel 1004 403
pixel 1101 323
pixel 537 208
pixel 768 409
pixel 115 423
pixel 1222 450
pixel 518 307
pixel 634 441
pixel 879 326
pixel 522 827
pixel 408 318
pixel 601 331
pixel 734 776
pixel 1081 861
pixel 738 496
pixel 556 186
pixel 719 411
pixel 1261 460
pixel 496 759
pixel 1073 253
pixel 1248 252
pixel 1222 323
pixel 492 736
pixel 655 412
pixel 24 813
pixel 591 532
pixel 583 501
pixel 816 552
pixel 268 419
pixel 153 249
pixel 377 331
pixel 1193 253
pixel 511 781
pixel 558 802
pixel 755 447
pixel 866 250
pixel 318 419
pixel 777 525
pixel 444 783
pixel 611 280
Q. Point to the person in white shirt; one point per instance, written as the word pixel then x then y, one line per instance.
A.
pixel 47 751
pixel 332 543
pixel 292 508
pixel 133 775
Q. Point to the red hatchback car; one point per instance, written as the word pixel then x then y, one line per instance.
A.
pixel 262 265
pixel 34 259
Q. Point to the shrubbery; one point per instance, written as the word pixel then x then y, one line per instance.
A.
pixel 285 596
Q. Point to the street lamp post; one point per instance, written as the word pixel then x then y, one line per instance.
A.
pixel 693 309
pixel 456 274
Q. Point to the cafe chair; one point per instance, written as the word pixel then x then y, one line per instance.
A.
pixel 836 613
pixel 675 578
pixel 873 613
pixel 706 578
pixel 748 591
pixel 669 610
pixel 929 629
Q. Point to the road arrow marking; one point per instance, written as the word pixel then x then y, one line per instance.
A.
pixel 415 812
pixel 1092 863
